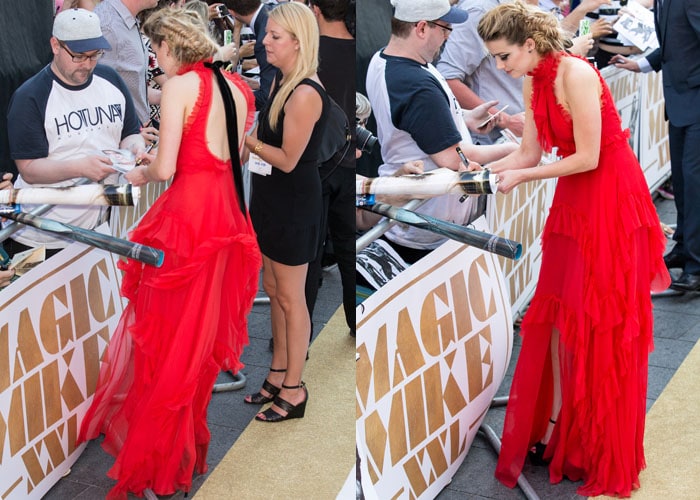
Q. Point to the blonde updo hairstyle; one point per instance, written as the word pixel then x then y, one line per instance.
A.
pixel 299 21
pixel 182 30
pixel 516 22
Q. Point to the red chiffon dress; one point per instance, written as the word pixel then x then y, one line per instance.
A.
pixel 602 254
pixel 185 321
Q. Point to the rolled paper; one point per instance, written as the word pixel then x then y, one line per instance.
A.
pixel 126 248
pixel 479 239
pixel 87 194
pixel 434 183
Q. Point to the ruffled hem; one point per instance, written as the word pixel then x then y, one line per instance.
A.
pixel 598 298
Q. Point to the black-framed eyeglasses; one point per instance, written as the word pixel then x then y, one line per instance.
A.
pixel 446 30
pixel 80 58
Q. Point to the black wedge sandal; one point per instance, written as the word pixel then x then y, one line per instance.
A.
pixel 536 453
pixel 293 411
pixel 260 399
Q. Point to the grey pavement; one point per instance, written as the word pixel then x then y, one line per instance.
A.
pixel 676 330
pixel 227 415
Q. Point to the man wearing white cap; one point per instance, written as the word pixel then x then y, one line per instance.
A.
pixel 62 116
pixel 418 116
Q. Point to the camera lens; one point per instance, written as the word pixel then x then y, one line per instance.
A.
pixel 365 139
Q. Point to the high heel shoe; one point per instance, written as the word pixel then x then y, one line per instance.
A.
pixel 260 399
pixel 536 453
pixel 293 411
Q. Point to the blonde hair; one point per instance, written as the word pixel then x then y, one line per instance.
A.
pixel 516 22
pixel 201 8
pixel 297 20
pixel 182 30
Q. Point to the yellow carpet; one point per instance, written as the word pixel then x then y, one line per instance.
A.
pixel 672 438
pixel 302 458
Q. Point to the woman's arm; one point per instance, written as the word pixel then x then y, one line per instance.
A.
pixel 302 111
pixel 175 105
pixel 578 89
pixel 529 153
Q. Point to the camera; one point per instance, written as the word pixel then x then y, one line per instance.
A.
pixel 365 139
pixel 222 10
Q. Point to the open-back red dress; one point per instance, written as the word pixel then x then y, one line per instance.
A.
pixel 185 321
pixel 602 254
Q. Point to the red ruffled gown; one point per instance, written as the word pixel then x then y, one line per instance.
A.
pixel 185 321
pixel 602 254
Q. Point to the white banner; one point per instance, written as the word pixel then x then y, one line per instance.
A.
pixel 56 321
pixel 433 347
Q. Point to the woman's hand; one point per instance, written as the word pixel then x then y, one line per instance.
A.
pixel 581 45
pixel 137 175
pixel 508 180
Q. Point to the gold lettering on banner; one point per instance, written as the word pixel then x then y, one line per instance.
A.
pixel 28 355
pixel 51 445
pixel 376 439
pixel 398 446
pixel 380 367
pixel 97 305
pixel 433 398
pixel 657 126
pixel 415 476
pixel 408 352
pixel 453 396
pixel 622 85
pixel 51 326
pixel 81 316
pixel 4 361
pixel 436 332
pixel 437 459
pixel 3 435
pixel 416 375
pixel 52 393
pixel 63 329
pixel 363 378
pixel 16 421
pixel 34 418
pixel 462 316
pixel 415 412
pixel 476 360
pixel 91 358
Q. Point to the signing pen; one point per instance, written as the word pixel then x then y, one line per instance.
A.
pixel 465 160
pixel 147 150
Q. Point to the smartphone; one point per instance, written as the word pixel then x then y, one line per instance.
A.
pixel 485 122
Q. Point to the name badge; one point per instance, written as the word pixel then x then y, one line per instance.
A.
pixel 258 166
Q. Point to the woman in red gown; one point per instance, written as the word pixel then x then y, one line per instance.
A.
pixel 185 321
pixel 578 396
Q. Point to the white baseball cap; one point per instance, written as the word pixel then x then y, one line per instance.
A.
pixel 80 30
pixel 413 11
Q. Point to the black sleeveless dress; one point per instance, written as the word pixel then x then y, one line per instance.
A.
pixel 286 207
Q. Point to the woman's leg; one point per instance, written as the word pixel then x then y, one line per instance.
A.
pixel 278 326
pixel 293 326
pixel 556 381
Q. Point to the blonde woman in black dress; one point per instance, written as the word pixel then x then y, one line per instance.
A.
pixel 286 204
